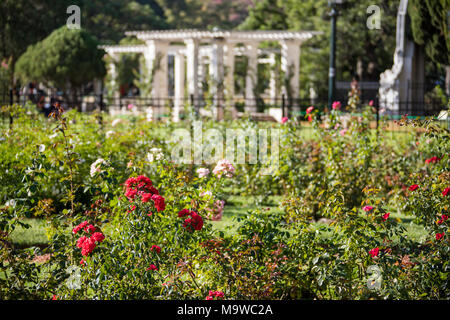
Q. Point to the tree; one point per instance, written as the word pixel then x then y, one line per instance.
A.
pixel 23 22
pixel 429 29
pixel 360 51
pixel 266 15
pixel 66 59
pixel 108 20
pixel 224 14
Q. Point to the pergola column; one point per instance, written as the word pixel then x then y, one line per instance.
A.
pixel 229 78
pixel 273 79
pixel 290 65
pixel 156 62
pixel 217 78
pixel 251 77
pixel 112 71
pixel 179 86
pixel 192 55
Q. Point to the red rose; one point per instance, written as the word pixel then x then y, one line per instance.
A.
pixel 374 252
pixel 88 247
pixel 153 190
pixel 80 241
pixel 152 267
pixel 439 236
pixel 90 228
pixel 413 187
pixel 187 223
pixel 159 202
pixel 432 160
pixel 138 185
pixel 368 208
pixel 442 219
pixel 156 248
pixel 98 236
pixel 79 227
pixel 446 191
pixel 183 213
pixel 197 221
pixel 385 216
pixel 130 194
pixel 215 294
pixel 146 197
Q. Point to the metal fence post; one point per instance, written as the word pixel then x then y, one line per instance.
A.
pixel 283 105
pixel 100 118
pixel 193 104
pixel 11 102
pixel 378 114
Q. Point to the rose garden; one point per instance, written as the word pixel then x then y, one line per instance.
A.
pixel 120 220
pixel 338 201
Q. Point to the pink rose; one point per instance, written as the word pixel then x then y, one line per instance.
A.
pixel 336 105
pixel 202 172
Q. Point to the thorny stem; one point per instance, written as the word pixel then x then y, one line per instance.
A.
pixel 63 127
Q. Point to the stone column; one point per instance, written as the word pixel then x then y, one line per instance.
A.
pixel 156 63
pixel 229 81
pixel 113 76
pixel 112 70
pixel 251 78
pixel 290 65
pixel 179 86
pixel 273 80
pixel 217 78
pixel 192 68
pixel 200 75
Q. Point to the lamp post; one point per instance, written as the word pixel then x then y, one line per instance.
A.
pixel 332 72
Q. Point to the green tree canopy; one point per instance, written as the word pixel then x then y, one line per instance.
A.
pixel 225 14
pixel 429 28
pixel 65 59
pixel 24 22
pixel 360 50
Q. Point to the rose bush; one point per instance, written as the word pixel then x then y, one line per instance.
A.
pixel 124 222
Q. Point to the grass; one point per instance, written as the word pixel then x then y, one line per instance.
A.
pixel 34 235
pixel 237 206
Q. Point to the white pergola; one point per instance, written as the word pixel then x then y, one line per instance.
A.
pixel 191 47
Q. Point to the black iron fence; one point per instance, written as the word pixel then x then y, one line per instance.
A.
pixel 280 106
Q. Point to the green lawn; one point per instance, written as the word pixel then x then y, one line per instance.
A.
pixel 31 236
pixel 237 206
